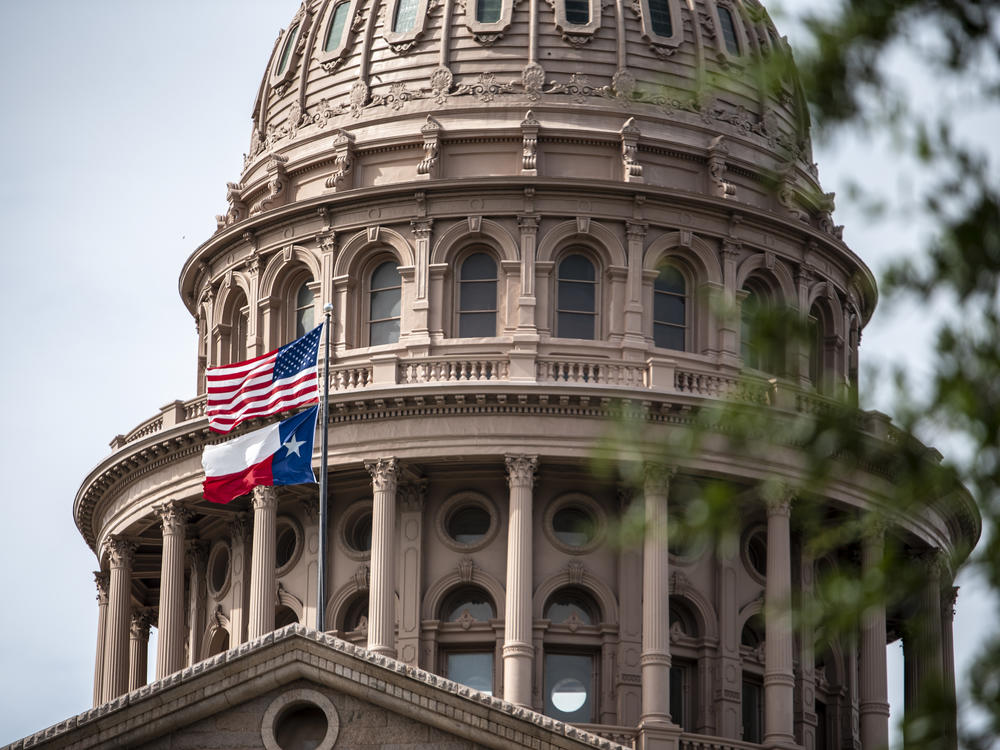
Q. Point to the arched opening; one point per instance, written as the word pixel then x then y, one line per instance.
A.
pixel 571 667
pixel 283 616
pixel 467 640
pixel 477 296
pixel 385 299
pixel 219 642
pixel 670 309
pixel 576 298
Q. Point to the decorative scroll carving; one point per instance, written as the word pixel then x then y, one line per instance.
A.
pixel 359 97
pixel 197 553
pixel 826 207
pixel 533 79
pixel 277 181
pixel 121 551
pixel 142 619
pixel 441 82
pixel 717 153
pixel 630 152
pixel 237 208
pixel 102 580
pixel 786 194
pixel 343 147
pixel 529 144
pixel 623 82
pixel 485 88
pixel 173 515
pixel 431 131
pixel 521 470
pixel 384 472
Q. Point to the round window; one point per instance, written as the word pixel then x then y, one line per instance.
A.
pixel 301 727
pixel 469 524
pixel 218 569
pixel 359 533
pixel 574 526
pixel 757 553
pixel 300 719
pixel 285 548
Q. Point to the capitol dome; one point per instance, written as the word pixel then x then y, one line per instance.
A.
pixel 527 218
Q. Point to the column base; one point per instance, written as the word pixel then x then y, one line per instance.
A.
pixel 658 734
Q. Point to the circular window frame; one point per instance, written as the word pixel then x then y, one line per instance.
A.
pixel 353 512
pixel 292 699
pixel 213 555
pixel 454 503
pixel 693 553
pixel 293 523
pixel 749 534
pixel 591 506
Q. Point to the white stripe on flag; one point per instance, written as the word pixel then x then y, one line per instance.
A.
pixel 242 452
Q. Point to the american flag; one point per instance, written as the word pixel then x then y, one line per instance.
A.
pixel 268 384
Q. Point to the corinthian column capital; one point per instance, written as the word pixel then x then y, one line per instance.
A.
pixel 142 619
pixel 656 477
pixel 778 498
pixel 121 551
pixel 264 498
pixel 384 472
pixel 173 516
pixel 521 470
pixel 101 579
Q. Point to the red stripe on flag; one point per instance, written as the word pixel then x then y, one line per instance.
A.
pixel 230 486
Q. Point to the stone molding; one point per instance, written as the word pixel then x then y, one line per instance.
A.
pixel 384 473
pixel 521 470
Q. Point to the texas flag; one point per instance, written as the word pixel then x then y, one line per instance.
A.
pixel 278 454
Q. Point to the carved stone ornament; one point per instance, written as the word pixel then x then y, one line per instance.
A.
pixel 197 554
pixel 575 572
pixel 240 527
pixel 101 580
pixel 237 208
pixel 343 162
pixel 362 577
pixel 630 152
pixel 412 495
pixel 717 153
pixel 142 619
pixel 265 498
pixel 359 97
pixel 485 88
pixel 431 131
pixel 623 83
pixel 533 79
pixel 121 551
pixel 384 473
pixel 277 181
pixel 529 144
pixel 466 569
pixel 787 197
pixel 777 498
pixel 521 470
pixel 441 81
pixel 173 516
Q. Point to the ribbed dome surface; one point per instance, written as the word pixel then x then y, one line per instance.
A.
pixel 340 64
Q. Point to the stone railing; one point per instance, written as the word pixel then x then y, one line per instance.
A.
pixel 453 370
pixel 350 378
pixel 631 374
pixel 622 735
pixel 704 742
pixel 732 387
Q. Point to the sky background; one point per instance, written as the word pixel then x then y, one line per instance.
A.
pixel 123 122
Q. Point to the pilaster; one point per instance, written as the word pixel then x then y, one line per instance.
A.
pixel 197 555
pixel 239 590
pixel 411 505
pixel 628 680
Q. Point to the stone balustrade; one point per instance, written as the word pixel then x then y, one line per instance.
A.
pixel 704 742
pixel 453 370
pixel 574 370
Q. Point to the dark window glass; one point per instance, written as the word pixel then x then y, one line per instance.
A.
pixel 474 669
pixel 284 546
pixel 732 42
pixel 286 51
pixel 475 602
pixel 576 306
pixel 359 532
pixel 753 632
pixel 821 726
pixel 574 526
pixel 357 614
pixel 569 604
pixel 238 333
pixel 753 711
pixel 220 569
pixel 406 16
pixel 300 728
pixel 335 32
pixel 659 18
pixel 578 11
pixel 386 289
pixel 488 11
pixel 304 301
pixel 680 695
pixel 750 349
pixel 757 552
pixel 477 296
pixel 569 687
pixel 816 345
pixel 670 309
pixel 469 524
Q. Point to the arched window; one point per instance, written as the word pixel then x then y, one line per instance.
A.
pixel 488 11
pixel 284 616
pixel 571 668
pixel 384 307
pixel 752 693
pixel 305 302
pixel 405 17
pixel 576 298
pixel 286 50
pixel 762 340
pixel 240 327
pixel 335 31
pixel 816 343
pixel 219 642
pixel 729 35
pixel 353 624
pixel 684 665
pixel 670 309
pixel 468 641
pixel 659 18
pixel 477 296
pixel 578 12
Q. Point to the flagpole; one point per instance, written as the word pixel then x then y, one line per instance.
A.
pixel 324 443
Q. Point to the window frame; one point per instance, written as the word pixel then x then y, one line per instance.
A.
pixel 598 282
pixel 332 58
pixel 488 33
pixel 739 28
pixel 768 298
pixel 663 45
pixel 400 42
pixel 366 322
pixel 469 636
pixel 292 289
pixel 300 24
pixel 573 33
pixel 688 316
pixel 457 303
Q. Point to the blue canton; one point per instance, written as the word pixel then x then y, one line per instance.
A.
pixel 297 356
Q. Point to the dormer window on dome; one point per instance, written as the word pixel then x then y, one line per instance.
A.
pixel 578 12
pixel 335 29
pixel 659 18
pixel 286 50
pixel 488 11
pixel 405 17
pixel 729 35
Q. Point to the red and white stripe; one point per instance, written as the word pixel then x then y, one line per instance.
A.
pixel 246 390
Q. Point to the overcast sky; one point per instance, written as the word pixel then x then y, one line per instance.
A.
pixel 123 122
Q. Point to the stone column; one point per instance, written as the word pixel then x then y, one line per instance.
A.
pixel 138 648
pixel 263 587
pixel 170 630
pixel 779 680
pixel 517 648
pixel 655 657
pixel 805 678
pixel 197 554
pixel 239 531
pixel 949 595
pixel 101 579
pixel 121 554
pixel 382 591
pixel 628 688
pixel 874 690
pixel 728 683
pixel 411 500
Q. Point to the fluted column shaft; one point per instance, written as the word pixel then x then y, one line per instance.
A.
pixel 170 625
pixel 655 658
pixel 779 679
pixel 263 587
pixel 948 655
pixel 101 579
pixel 382 591
pixel 138 648
pixel 874 685
pixel 517 648
pixel 121 553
